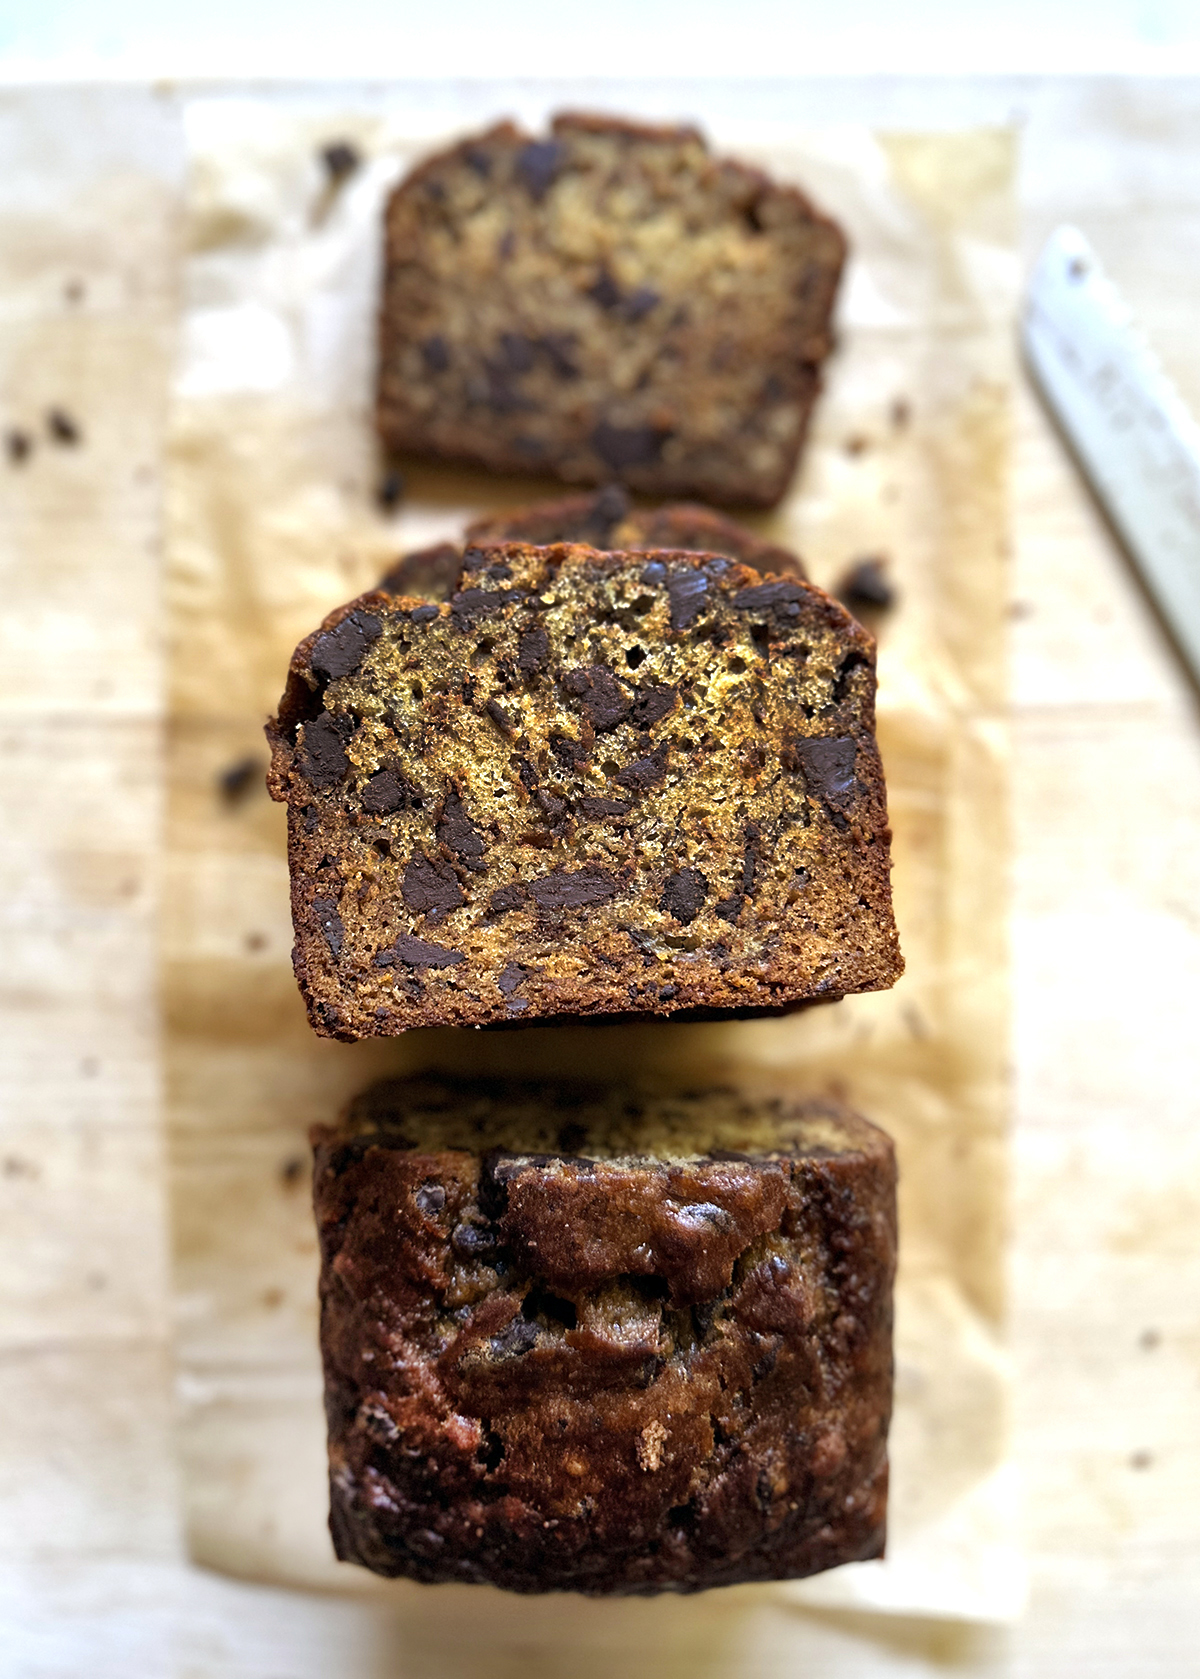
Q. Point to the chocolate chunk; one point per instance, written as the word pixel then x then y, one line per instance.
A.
pixel 388 791
pixel 688 594
pixel 430 886
pixel 570 752
pixel 559 350
pixel 417 953
pixel 730 908
pixel 423 614
pixel 780 595
pixel 516 352
pixel 599 809
pixel 604 700
pixel 621 447
pixel 468 606
pixel 553 809
pixel 866 585
pixel 341 158
pixel 562 889
pixel 538 164
pixel 604 290
pixel 750 858
pixel 645 773
pixel 684 894
pixel 340 651
pixel 472 1241
pixel 325 913
pixel 430 1198
pixel 500 717
pixel 236 781
pixel 511 978
pixel 652 705
pixel 828 767
pixel 640 302
pixel 518 1338
pixel 456 829
pixel 324 751
pixel 507 897
pixel 435 353
pixel 533 649
pixel 62 428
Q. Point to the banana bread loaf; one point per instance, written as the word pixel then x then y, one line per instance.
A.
pixel 589 784
pixel 602 519
pixel 610 302
pixel 604 1340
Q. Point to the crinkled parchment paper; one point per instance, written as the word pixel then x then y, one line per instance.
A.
pixel 272 522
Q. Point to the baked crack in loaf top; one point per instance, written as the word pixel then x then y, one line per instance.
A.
pixel 601 519
pixel 609 303
pixel 589 784
pixel 604 1339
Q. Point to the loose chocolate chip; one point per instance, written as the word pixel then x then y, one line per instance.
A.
pixel 762 596
pixel 684 894
pixel 236 781
pixel 340 651
pixel 533 649
pixel 423 614
pixel 688 594
pixel 866 585
pixel 506 898
pixel 430 886
pixel 621 447
pixel 730 908
pixel 645 773
pixel 389 494
pixel 468 606
pixel 604 700
pixel 599 809
pixel 324 750
pixel 417 953
pixel 325 913
pixel 19 445
pixel 387 791
pixel 828 767
pixel 604 290
pixel 456 829
pixel 435 353
pixel 62 428
pixel 652 705
pixel 430 1198
pixel 500 717
pixel 511 978
pixel 517 1339
pixel 562 889
pixel 640 302
pixel 341 158
pixel 538 164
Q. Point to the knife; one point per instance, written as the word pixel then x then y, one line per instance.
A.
pixel 1134 436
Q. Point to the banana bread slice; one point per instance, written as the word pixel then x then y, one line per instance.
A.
pixel 610 302
pixel 602 519
pixel 589 784
pixel 605 1340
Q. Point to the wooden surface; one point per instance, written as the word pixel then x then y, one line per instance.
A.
pixel 1106 940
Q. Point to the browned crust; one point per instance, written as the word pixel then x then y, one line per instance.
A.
pixel 404 431
pixel 555 1373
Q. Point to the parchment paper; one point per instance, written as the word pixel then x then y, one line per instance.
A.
pixel 272 521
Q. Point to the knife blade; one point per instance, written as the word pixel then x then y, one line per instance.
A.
pixel 1132 432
